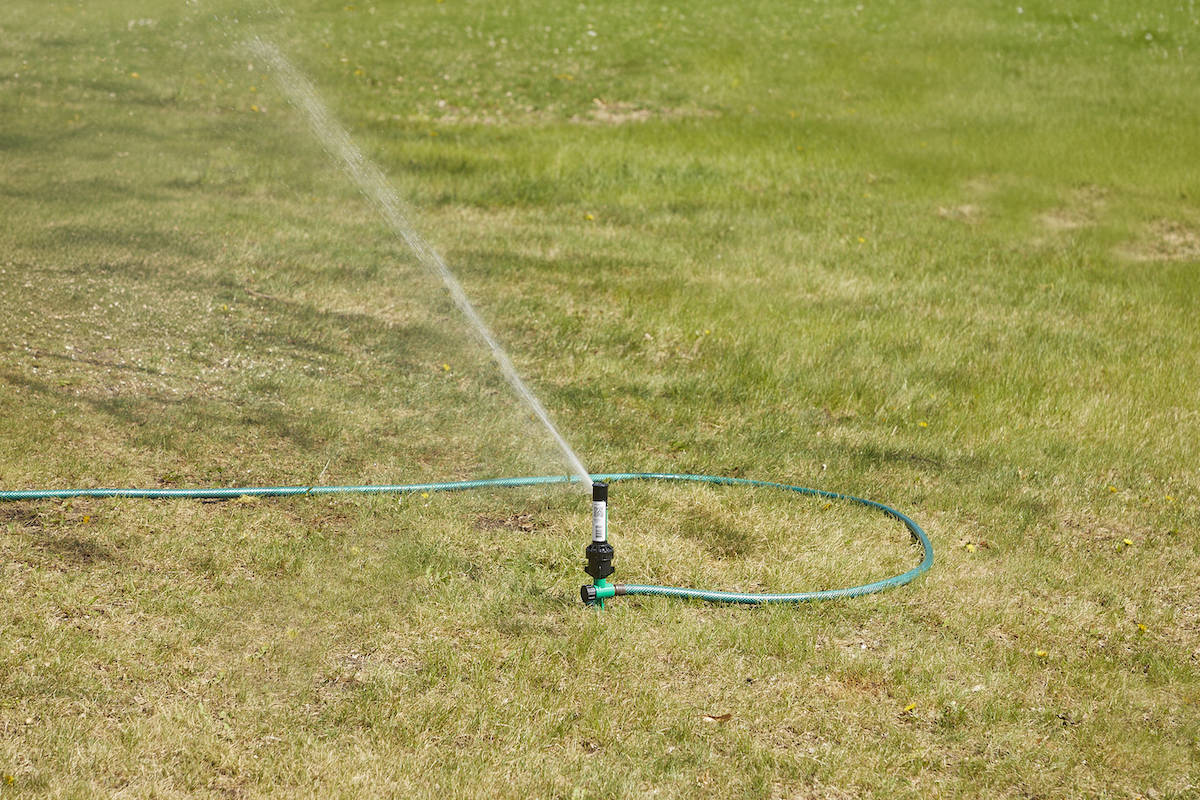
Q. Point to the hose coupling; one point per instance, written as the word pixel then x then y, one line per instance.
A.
pixel 591 594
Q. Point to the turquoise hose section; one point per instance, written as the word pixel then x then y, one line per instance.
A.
pixel 232 493
pixel 491 483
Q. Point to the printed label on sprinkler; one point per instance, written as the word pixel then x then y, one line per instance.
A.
pixel 599 522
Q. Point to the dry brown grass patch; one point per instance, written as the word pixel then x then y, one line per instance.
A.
pixel 1083 209
pixel 619 113
pixel 1166 240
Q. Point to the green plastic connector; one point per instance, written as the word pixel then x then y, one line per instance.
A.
pixel 597 593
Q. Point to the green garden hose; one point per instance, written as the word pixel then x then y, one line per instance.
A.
pixel 602 589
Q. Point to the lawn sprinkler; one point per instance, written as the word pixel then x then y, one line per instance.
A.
pixel 599 552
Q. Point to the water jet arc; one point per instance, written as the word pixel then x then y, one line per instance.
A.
pixel 372 183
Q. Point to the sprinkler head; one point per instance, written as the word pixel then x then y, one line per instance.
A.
pixel 599 553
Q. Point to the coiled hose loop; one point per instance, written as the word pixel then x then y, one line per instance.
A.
pixel 616 589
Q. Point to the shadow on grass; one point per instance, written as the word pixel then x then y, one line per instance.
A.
pixel 74 551
pixel 140 242
pixel 176 411
pixel 161 422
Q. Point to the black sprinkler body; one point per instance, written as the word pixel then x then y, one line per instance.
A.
pixel 599 560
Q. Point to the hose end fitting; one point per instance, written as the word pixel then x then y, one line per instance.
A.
pixel 592 594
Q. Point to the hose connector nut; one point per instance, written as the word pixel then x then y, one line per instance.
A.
pixel 591 595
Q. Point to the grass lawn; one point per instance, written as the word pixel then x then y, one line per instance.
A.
pixel 940 255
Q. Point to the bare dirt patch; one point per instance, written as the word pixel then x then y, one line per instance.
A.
pixel 619 113
pixel 1166 240
pixel 522 523
pixel 601 113
pixel 1082 210
pixel 1064 219
pixel 964 213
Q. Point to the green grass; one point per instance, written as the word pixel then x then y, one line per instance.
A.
pixel 939 255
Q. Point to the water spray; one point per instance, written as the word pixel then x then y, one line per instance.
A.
pixel 374 186
pixel 599 552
